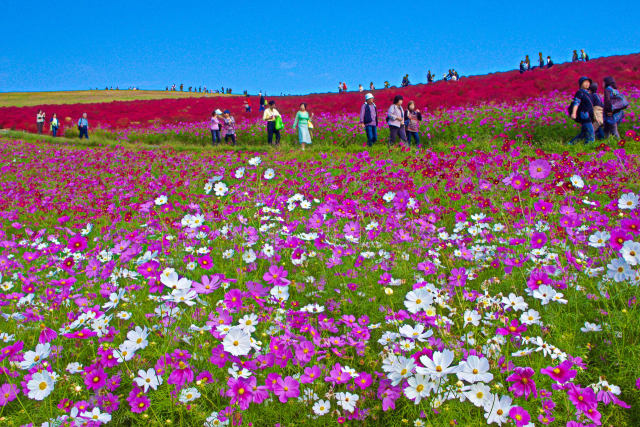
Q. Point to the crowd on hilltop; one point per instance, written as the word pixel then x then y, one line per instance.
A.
pixel 525 64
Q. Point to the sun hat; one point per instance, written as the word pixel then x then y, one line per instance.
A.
pixel 583 79
pixel 227 112
pixel 368 96
pixel 218 111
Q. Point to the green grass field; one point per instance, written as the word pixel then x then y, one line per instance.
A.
pixel 25 99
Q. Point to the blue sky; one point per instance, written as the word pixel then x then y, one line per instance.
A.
pixel 291 47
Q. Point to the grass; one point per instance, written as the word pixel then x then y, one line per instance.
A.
pixel 25 99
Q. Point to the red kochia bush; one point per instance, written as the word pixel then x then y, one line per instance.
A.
pixel 499 87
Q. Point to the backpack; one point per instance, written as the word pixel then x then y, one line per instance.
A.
pixel 619 102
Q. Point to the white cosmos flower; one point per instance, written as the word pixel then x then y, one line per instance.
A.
pixel 497 410
pixel 33 358
pixel 475 369
pixel 471 317
pixel 148 379
pixel 220 189
pixel 628 201
pixel 599 239
pixel 96 416
pixel 189 394
pixel 321 407
pixel 254 161
pixel 239 173
pixel 347 401
pixel 269 174
pixel 418 388
pixel 171 280
pixel 619 270
pixel 631 252
pixel 389 196
pixel 418 300
pixel 138 337
pixel 237 342
pixel 439 365
pixel 479 394
pixel 40 385
pixel 249 256
pixel 415 333
pixel 248 323
pixel 160 200
pixel 591 327
pixel 576 181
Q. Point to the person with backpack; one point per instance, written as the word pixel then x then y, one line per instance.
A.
pixel 215 127
pixel 40 121
pixel 395 119
pixel 83 126
pixel 581 109
pixel 229 127
pixel 412 119
pixel 369 119
pixel 614 105
pixel 55 124
pixel 270 116
pixel 598 107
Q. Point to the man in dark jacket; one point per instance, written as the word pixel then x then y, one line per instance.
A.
pixel 582 111
pixel 369 119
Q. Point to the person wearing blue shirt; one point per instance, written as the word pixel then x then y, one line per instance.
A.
pixel 83 126
pixel 582 112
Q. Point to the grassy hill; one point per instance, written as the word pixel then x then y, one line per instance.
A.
pixel 26 99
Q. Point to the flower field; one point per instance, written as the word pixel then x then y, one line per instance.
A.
pixel 490 278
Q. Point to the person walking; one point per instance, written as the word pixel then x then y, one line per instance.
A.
pixel 540 60
pixel 270 115
pixel 371 87
pixel 574 58
pixel 40 121
pixel 302 122
pixel 412 119
pixel 598 107
pixel 55 124
pixel 215 127
pixel 429 77
pixel 614 105
pixel 582 112
pixel 261 102
pixel 369 119
pixel 229 127
pixel 83 126
pixel 395 118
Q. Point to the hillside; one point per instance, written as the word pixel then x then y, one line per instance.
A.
pixel 496 87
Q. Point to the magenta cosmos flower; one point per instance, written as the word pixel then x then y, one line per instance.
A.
pixel 8 393
pixel 523 384
pixel 520 416
pixel 539 169
pixel 561 373
pixel 286 388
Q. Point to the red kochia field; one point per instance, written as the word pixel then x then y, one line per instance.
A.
pixel 499 87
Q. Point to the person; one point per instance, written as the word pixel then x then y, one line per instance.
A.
pixel 261 102
pixel 369 119
pixel 412 119
pixel 405 80
pixel 339 87
pixel 302 122
pixel 269 116
pixel 522 69
pixel 583 56
pixel 549 62
pixel 386 84
pixel 55 124
pixel 215 127
pixel 598 107
pixel 40 121
pixel 455 76
pixel 229 127
pixel 83 126
pixel 612 117
pixel 582 111
pixel 540 60
pixel 527 62
pixel 360 88
pixel 344 86
pixel 371 86
pixel 247 107
pixel 395 118
pixel 575 56
pixel 429 77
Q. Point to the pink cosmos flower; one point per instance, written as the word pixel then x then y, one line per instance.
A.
pixel 77 243
pixel 276 276
pixel 95 379
pixel 240 392
pixel 561 373
pixel 582 398
pixel 519 415
pixel 514 328
pixel 523 384
pixel 311 373
pixel 8 393
pixel 286 388
pixel 539 169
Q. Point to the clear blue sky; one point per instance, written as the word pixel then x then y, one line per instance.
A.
pixel 294 47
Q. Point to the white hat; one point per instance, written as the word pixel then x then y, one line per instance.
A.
pixel 218 112
pixel 368 96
